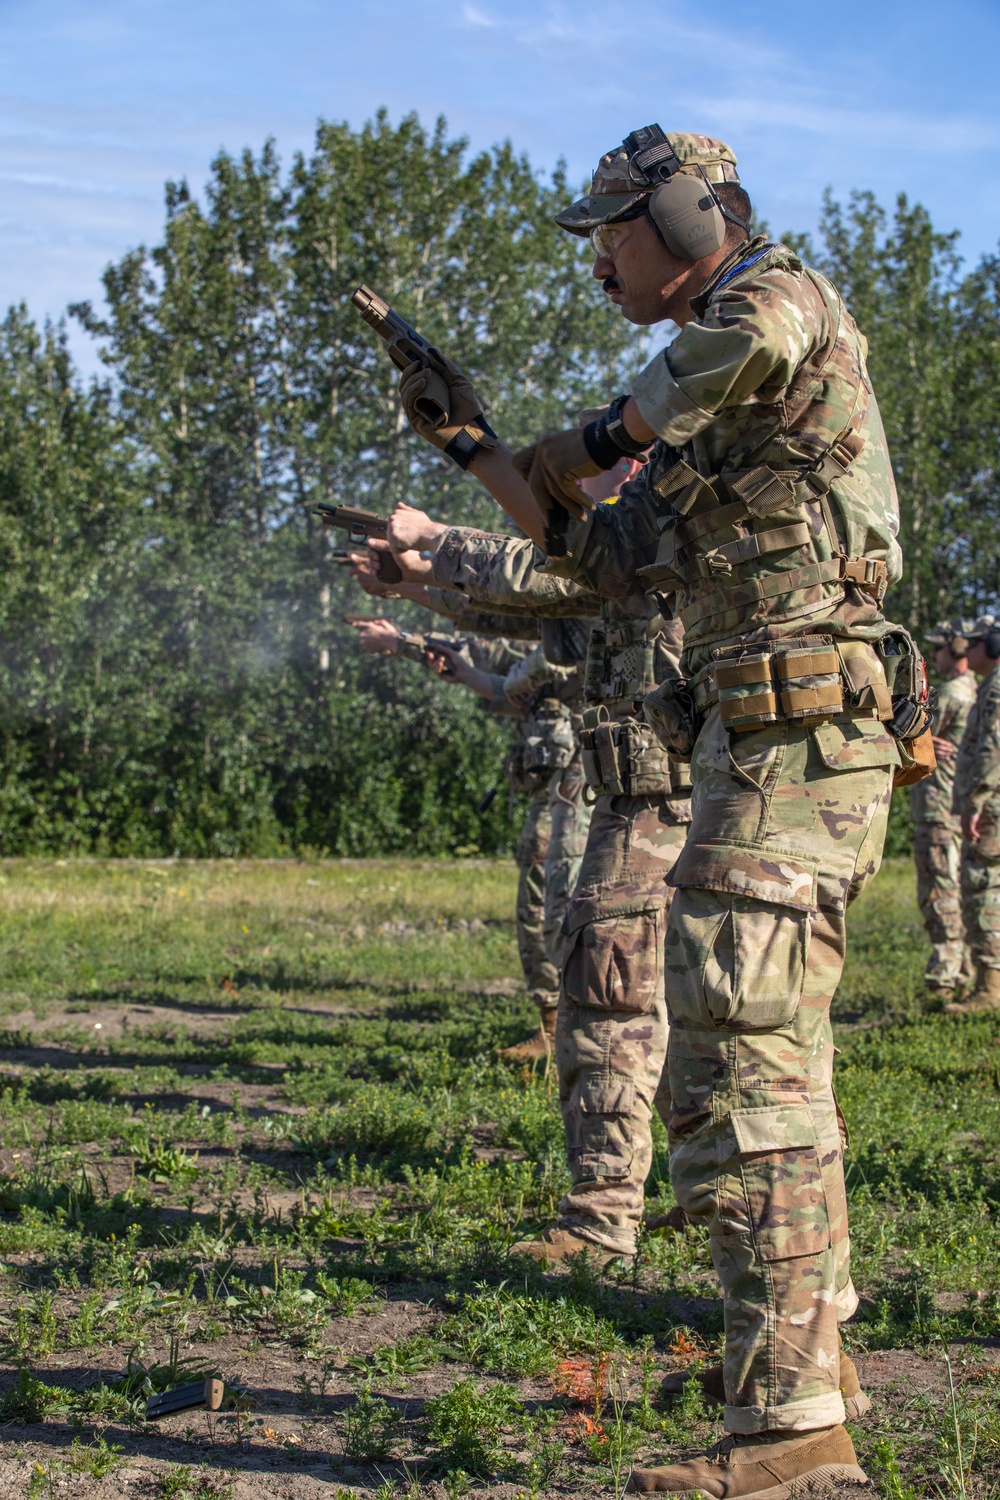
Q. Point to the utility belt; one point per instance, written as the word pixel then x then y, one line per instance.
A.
pixel 805 681
pixel 623 757
pixel 547 741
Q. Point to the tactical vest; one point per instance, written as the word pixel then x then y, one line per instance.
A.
pixel 775 534
pixel 547 741
pixel 621 753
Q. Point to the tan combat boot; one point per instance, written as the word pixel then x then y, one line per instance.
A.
pixel 856 1403
pixel 537 1048
pixel 674 1219
pixel 760 1466
pixel 554 1246
pixel 986 995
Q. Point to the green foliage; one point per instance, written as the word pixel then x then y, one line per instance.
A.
pixel 369 1429
pixel 176 675
pixel 467 1423
pixel 30 1399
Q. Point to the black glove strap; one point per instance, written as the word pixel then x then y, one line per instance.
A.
pixel 463 447
pixel 601 449
pixel 609 436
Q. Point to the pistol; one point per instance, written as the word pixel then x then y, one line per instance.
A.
pixel 360 525
pixel 405 345
pixel 434 643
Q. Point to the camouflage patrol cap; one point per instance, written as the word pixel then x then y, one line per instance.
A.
pixel 955 634
pixel 617 187
pixel 983 627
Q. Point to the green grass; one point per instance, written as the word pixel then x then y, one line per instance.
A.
pixel 252 1121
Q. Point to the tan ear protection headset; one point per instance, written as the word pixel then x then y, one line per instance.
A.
pixel 684 206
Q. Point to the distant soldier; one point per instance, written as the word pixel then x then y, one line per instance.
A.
pixel 937 832
pixel 545 697
pixel 612 1032
pixel 541 690
pixel 977 802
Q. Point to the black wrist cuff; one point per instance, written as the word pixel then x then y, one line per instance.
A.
pixel 618 433
pixel 601 450
pixel 463 447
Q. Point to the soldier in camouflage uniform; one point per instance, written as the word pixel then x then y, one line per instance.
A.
pixel 612 1031
pixel 545 697
pixel 977 803
pixel 937 832
pixel 544 763
pixel 766 522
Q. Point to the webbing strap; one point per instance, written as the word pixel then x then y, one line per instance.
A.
pixel 757 589
pixel 723 561
pixel 708 521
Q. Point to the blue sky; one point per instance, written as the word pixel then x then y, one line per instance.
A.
pixel 102 100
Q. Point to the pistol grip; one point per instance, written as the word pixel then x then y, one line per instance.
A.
pixel 388 568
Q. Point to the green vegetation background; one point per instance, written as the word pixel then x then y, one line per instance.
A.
pixel 174 674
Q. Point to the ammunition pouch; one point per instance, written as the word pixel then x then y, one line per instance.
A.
pixel 623 757
pixel 793 680
pixel 801 680
pixel 547 742
pixel 670 712
pixel 519 779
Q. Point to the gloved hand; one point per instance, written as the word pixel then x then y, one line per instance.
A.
pixel 464 430
pixel 552 467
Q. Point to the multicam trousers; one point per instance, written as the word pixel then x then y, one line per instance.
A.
pixel 981 889
pixel 611 1035
pixel 788 826
pixel 541 977
pixel 937 853
pixel 549 853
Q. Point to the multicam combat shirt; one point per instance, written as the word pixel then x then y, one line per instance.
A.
pixel 769 498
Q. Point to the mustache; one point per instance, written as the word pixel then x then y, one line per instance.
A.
pixel 611 284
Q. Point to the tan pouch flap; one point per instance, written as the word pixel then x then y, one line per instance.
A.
pixel 779 1127
pixel 607 1096
pixel 865 676
pixel 854 744
pixel 779 878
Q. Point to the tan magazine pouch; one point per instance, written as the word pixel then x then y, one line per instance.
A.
pixel 796 680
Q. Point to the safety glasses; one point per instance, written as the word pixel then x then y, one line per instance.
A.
pixel 606 238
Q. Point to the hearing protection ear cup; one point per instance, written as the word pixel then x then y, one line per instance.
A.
pixel 992 643
pixel 688 215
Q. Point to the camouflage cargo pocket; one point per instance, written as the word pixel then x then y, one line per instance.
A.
pixel 603 1146
pixel 988 844
pixel 784 1205
pixel 734 963
pixel 615 963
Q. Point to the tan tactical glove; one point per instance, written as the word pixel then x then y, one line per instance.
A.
pixel 464 432
pixel 552 467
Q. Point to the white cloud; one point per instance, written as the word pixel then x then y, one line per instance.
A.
pixel 473 17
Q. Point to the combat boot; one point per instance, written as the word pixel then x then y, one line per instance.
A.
pixel 760 1466
pixel 986 995
pixel 554 1246
pixel 856 1403
pixel 674 1219
pixel 537 1048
